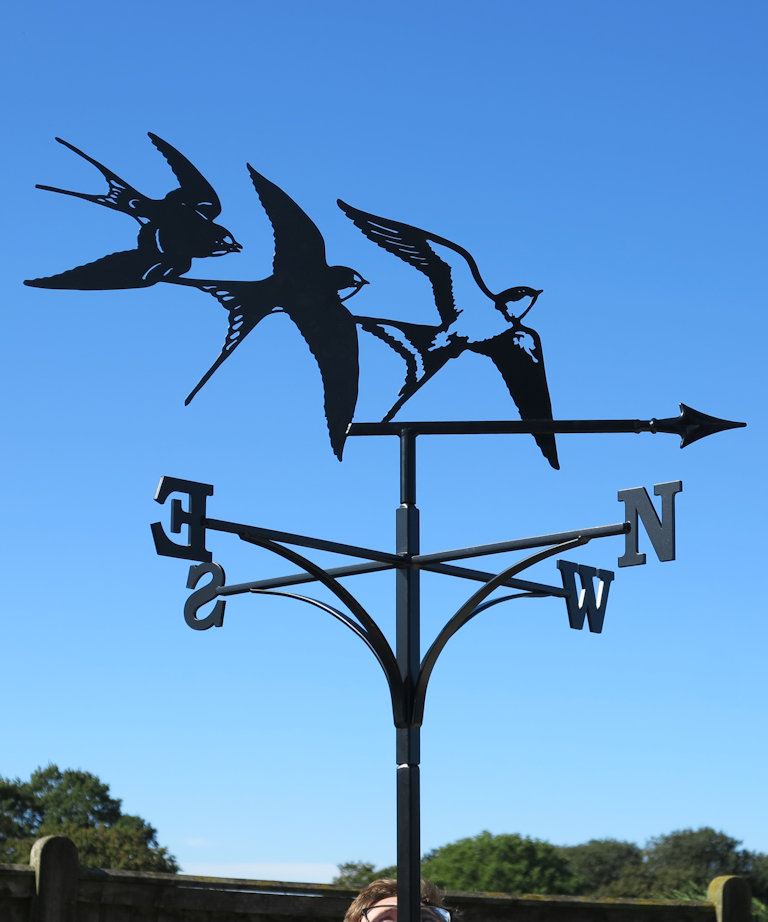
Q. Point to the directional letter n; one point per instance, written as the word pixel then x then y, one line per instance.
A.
pixel 585 601
pixel 638 507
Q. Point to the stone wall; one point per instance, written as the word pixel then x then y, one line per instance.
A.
pixel 54 888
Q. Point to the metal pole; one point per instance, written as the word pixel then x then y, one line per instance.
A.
pixel 408 659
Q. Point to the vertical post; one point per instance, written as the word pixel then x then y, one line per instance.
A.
pixel 732 897
pixel 408 659
pixel 56 865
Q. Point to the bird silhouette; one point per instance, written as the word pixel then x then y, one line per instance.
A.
pixel 306 288
pixel 480 321
pixel 174 229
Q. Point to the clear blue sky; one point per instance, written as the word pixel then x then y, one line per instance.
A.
pixel 612 154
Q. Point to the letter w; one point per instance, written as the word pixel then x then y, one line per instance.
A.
pixel 585 601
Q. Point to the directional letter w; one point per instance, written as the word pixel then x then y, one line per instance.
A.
pixel 585 601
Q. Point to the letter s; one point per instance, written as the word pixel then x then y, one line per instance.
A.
pixel 205 594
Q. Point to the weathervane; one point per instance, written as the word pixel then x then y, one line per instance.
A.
pixel 179 228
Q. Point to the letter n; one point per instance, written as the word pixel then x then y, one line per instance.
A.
pixel 585 601
pixel 639 508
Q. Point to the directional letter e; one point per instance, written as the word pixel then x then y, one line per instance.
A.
pixel 638 506
pixel 193 517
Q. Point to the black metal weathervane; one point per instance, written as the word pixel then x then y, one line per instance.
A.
pixel 179 228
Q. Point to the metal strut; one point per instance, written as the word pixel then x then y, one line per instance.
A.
pixel 406 673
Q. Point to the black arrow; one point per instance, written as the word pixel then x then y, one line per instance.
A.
pixel 690 425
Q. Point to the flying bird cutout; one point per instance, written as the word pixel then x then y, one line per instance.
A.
pixel 174 229
pixel 180 227
pixel 488 324
pixel 308 290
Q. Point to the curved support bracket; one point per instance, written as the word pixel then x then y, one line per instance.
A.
pixel 367 629
pixel 507 598
pixel 468 611
pixel 334 612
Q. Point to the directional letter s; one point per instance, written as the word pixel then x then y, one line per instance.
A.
pixel 585 601
pixel 204 594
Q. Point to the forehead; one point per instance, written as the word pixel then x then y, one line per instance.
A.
pixel 386 901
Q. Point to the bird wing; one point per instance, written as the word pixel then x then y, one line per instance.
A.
pixel 523 373
pixel 412 245
pixel 126 269
pixel 329 331
pixel 241 301
pixel 299 245
pixel 120 196
pixel 331 335
pixel 411 341
pixel 195 189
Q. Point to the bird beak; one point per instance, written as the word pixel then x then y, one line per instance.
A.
pixel 355 290
pixel 537 292
pixel 228 244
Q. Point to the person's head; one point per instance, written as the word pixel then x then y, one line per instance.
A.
pixel 382 894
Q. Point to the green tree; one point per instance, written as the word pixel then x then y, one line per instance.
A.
pixel 693 856
pixel 18 810
pixel 503 863
pixel 78 805
pixel 758 874
pixel 71 797
pixel 678 865
pixel 356 874
pixel 602 863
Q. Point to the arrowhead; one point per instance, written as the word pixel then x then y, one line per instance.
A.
pixel 692 425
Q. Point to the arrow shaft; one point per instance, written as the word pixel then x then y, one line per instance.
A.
pixel 506 427
pixel 690 425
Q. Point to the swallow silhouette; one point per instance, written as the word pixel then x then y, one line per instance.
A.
pixel 484 325
pixel 306 288
pixel 173 230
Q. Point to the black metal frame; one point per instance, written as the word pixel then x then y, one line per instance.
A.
pixel 179 228
pixel 406 672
